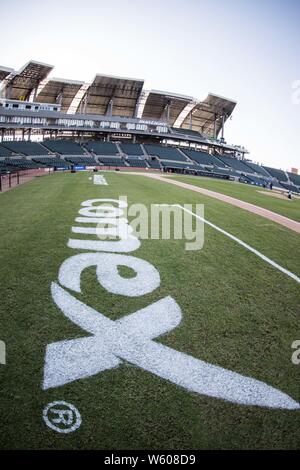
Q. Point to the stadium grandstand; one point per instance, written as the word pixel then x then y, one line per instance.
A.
pixel 115 122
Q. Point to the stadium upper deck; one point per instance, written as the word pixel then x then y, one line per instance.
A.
pixel 31 102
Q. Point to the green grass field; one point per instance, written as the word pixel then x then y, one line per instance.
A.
pixel 248 193
pixel 238 312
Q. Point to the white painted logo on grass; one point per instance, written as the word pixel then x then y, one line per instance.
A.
pixel 62 417
pixel 133 338
pixel 99 179
pixel 2 353
pixel 296 354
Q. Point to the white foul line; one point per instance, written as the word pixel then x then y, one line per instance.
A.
pixel 245 245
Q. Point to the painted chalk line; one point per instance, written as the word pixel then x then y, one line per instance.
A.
pixel 245 245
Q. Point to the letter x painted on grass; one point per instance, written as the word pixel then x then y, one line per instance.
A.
pixel 131 339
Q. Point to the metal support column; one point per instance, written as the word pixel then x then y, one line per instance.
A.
pixel 215 126
pixel 168 113
pixel 223 123
pixel 110 108
pixel 85 102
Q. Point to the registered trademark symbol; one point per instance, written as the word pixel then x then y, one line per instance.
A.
pixel 62 417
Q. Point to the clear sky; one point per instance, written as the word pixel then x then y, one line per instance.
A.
pixel 247 50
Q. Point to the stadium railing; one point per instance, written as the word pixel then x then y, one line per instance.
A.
pixel 11 179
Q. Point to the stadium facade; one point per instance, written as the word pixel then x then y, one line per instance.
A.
pixel 108 108
pixel 114 122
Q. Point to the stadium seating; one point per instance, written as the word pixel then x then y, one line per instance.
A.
pixel 153 163
pixel 5 166
pixel 3 170
pixel 278 174
pixel 226 171
pixel 236 164
pixel 187 132
pixel 4 152
pixel 257 169
pixel 290 187
pixel 26 148
pixel 165 153
pixel 101 148
pixel 295 179
pixel 203 158
pixel 64 147
pixel 137 162
pixel 180 165
pixel 52 162
pixel 159 156
pixel 89 161
pixel 132 149
pixel 23 164
pixel 255 180
pixel 112 161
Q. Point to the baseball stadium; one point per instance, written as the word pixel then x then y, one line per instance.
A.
pixel 150 264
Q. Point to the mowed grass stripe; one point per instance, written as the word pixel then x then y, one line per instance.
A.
pixel 237 313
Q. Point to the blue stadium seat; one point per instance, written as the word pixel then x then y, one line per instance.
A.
pixel 64 147
pixel 23 164
pixel 137 162
pixel 153 163
pixel 203 158
pixel 26 148
pixel 112 161
pixel 101 148
pixel 4 152
pixel 132 149
pixel 290 187
pixel 187 132
pixel 52 162
pixel 254 180
pixel 236 164
pixel 257 169
pixel 181 165
pixel 295 179
pixel 165 153
pixel 278 174
pixel 86 161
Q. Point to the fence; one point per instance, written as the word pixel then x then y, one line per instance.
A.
pixel 12 179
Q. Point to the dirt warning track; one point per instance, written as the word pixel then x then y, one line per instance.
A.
pixel 280 219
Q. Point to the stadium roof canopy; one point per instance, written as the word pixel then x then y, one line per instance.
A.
pixel 207 115
pixel 163 105
pixel 116 96
pixel 58 90
pixel 19 84
pixel 4 72
pixel 111 95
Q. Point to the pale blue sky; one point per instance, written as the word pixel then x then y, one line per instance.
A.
pixel 247 50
